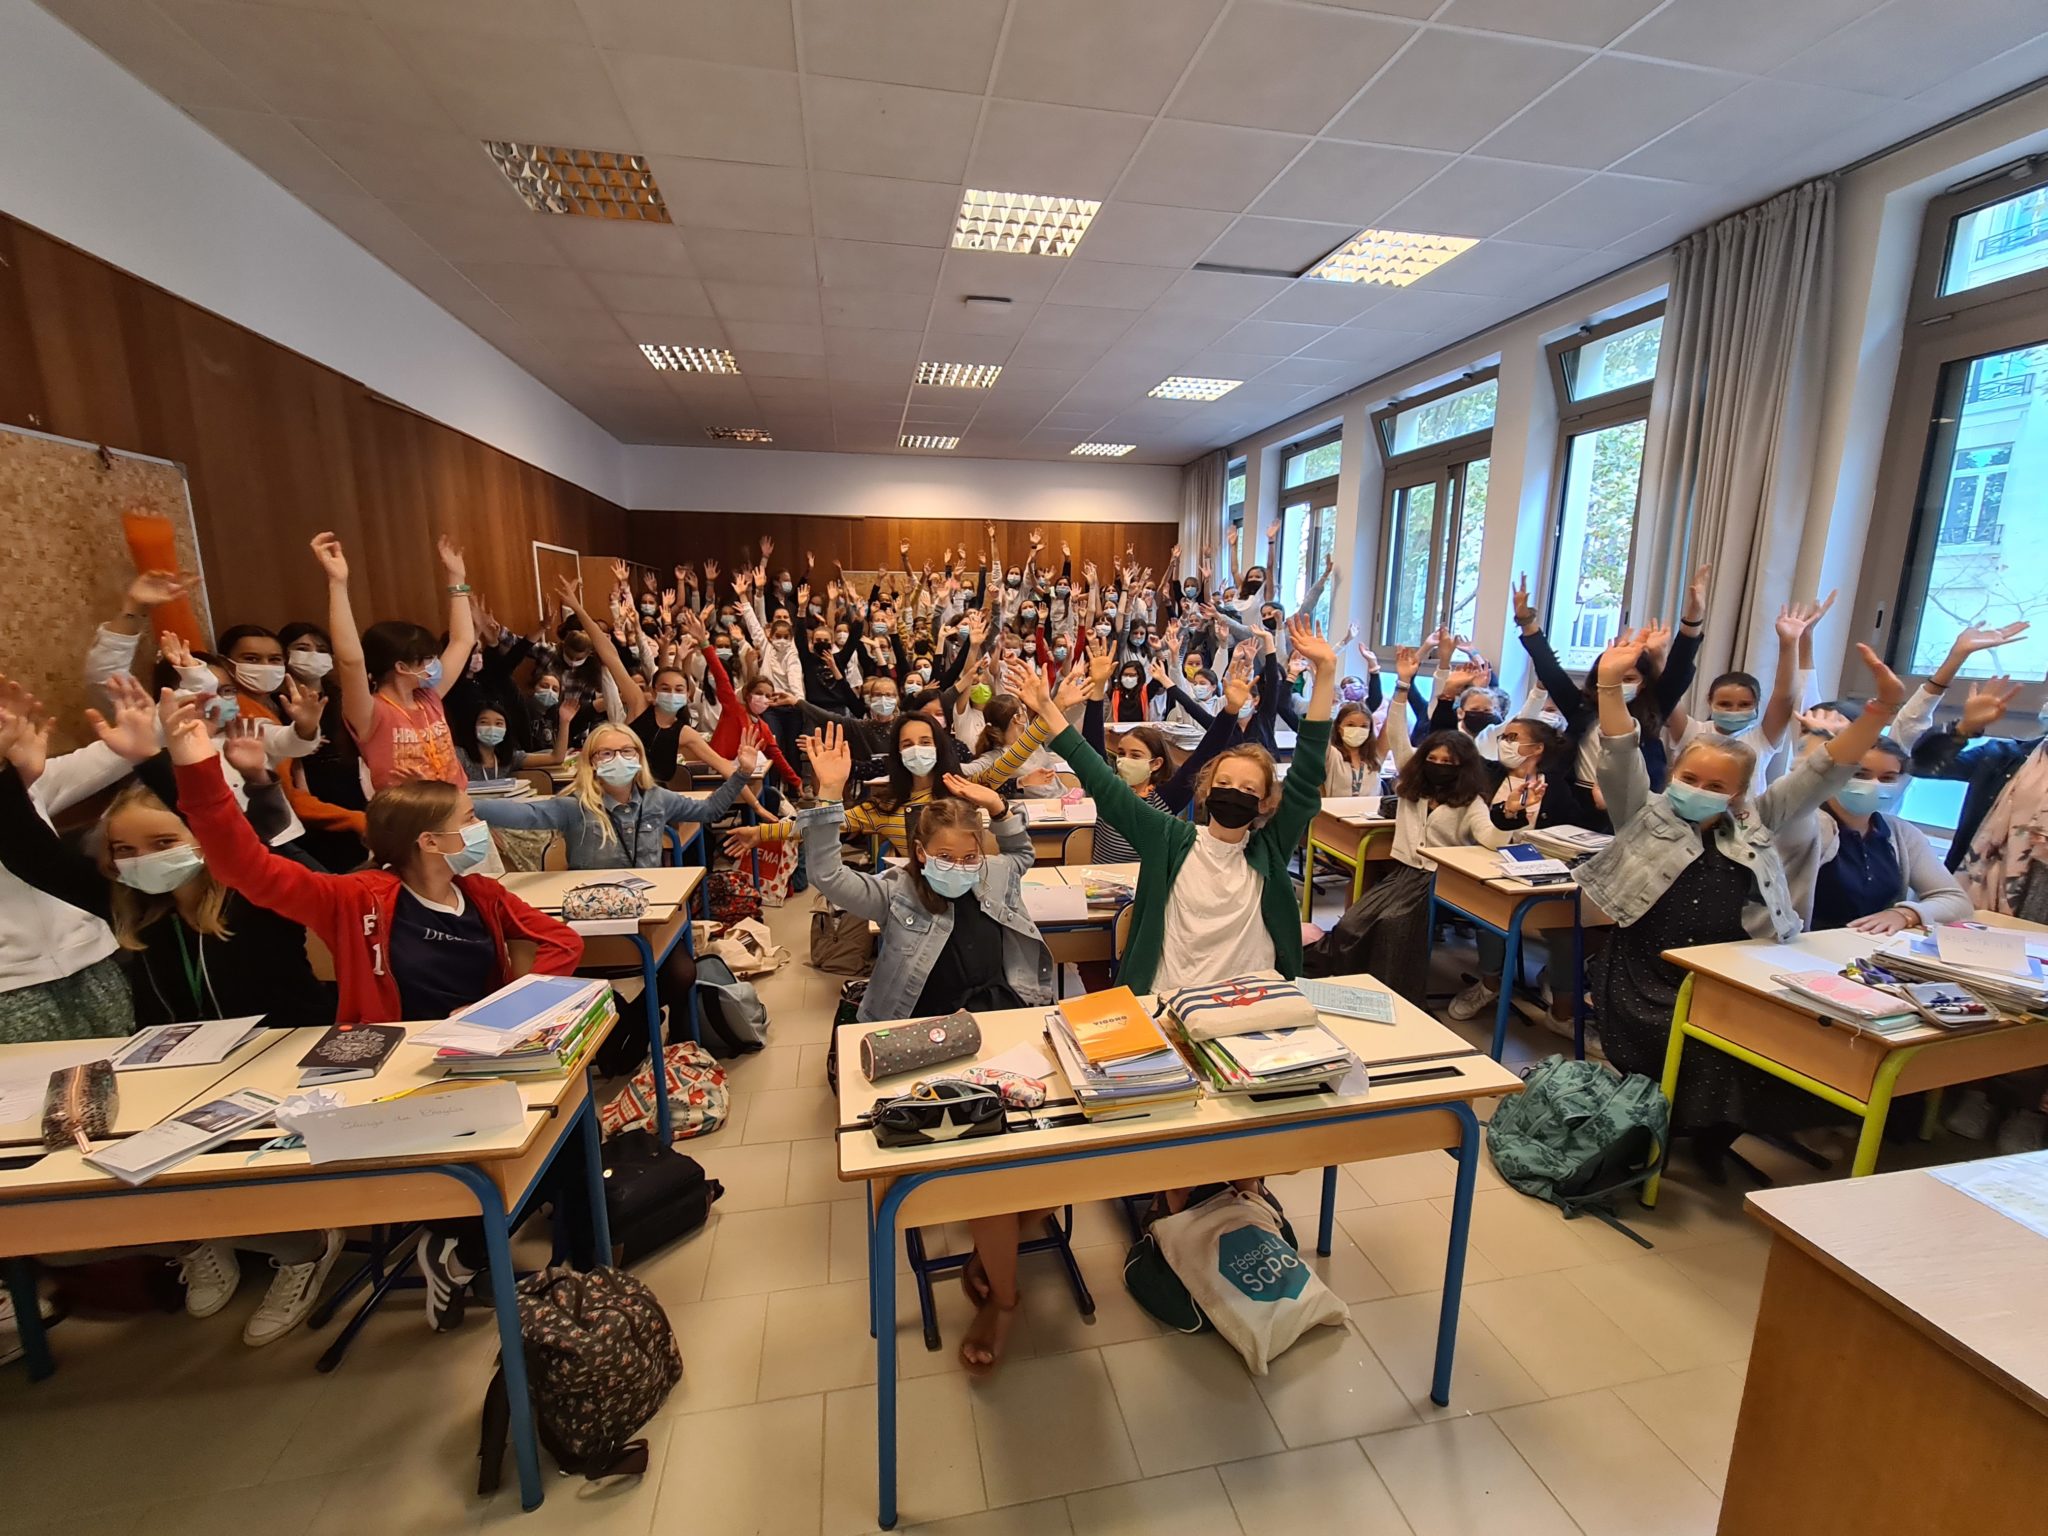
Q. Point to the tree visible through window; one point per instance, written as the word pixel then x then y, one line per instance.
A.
pixel 1589 585
pixel 1471 534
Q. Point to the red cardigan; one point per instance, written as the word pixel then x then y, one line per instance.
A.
pixel 733 719
pixel 350 913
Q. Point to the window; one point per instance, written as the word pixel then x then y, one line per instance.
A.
pixel 2004 240
pixel 1308 522
pixel 1437 452
pixel 1603 376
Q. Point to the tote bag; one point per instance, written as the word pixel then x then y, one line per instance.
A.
pixel 1248 1280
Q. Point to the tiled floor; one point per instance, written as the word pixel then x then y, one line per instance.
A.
pixel 1596 1388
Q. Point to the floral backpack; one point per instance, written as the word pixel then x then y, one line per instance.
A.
pixel 698 1100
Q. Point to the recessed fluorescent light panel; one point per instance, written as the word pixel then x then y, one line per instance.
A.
pixel 667 358
pixel 919 440
pixel 1180 387
pixel 1389 256
pixel 1022 222
pixel 595 183
pixel 740 434
pixel 960 375
pixel 1104 450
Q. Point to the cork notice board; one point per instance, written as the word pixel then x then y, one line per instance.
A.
pixel 61 523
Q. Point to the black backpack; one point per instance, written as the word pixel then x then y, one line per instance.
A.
pixel 600 1362
pixel 652 1194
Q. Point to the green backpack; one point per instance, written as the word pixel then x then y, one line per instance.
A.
pixel 1578 1134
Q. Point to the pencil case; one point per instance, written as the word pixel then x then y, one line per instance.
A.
pixel 916 1047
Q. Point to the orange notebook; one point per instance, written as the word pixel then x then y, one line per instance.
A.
pixel 1111 1025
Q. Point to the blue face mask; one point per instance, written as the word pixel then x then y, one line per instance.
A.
pixel 1730 721
pixel 1628 693
pixel 430 675
pixel 546 698
pixel 619 770
pixel 490 735
pixel 476 847
pixel 1695 804
pixel 951 880
pixel 1059 653
pixel 224 711
pixel 1250 708
pixel 1859 797
pixel 671 702
pixel 1891 796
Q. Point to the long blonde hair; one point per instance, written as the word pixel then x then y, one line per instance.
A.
pixel 589 793
pixel 132 910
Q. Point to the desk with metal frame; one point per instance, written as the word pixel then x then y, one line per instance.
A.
pixel 1352 841
pixel 666 924
pixel 1089 939
pixel 59 1203
pixel 1425 1081
pixel 1469 882
pixel 1729 1003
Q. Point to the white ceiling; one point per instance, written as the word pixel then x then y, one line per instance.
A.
pixel 812 153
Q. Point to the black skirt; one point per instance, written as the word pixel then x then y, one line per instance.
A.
pixel 1385 934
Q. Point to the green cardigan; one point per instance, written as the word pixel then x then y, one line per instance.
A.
pixel 1162 842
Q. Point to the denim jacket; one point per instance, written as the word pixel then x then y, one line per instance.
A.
pixel 636 822
pixel 1653 845
pixel 912 934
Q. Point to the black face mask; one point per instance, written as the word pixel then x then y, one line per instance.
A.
pixel 1440 778
pixel 1478 720
pixel 1232 807
pixel 1273 622
pixel 1251 586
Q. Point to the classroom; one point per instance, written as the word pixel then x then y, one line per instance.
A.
pixel 1019 767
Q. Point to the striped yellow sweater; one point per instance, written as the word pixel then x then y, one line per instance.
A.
pixel 870 819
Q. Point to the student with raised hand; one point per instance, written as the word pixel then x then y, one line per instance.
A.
pixel 2007 798
pixel 484 745
pixel 1212 901
pixel 954 935
pixel 1139 755
pixel 394 675
pixel 1440 802
pixel 1699 864
pixel 418 936
pixel 1733 698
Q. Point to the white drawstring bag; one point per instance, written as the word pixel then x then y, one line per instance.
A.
pixel 1248 1280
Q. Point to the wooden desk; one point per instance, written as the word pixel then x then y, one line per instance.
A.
pixel 1729 1003
pixel 1092 938
pixel 1353 841
pixel 60 1202
pixel 1898 1383
pixel 1469 881
pixel 1425 1083
pixel 666 924
pixel 1049 838
pixel 141 1099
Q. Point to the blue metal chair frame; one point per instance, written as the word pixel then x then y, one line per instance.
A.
pixel 1511 963
pixel 1059 1239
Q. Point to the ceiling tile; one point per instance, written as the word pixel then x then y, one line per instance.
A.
pixel 748 336
pixel 401 160
pixel 1308 372
pixel 911 269
pixel 796 375
pixel 1753 36
pixel 1284 66
pixel 948 346
pixel 722 194
pixel 509 88
pixel 510 283
pixel 1911 45
pixel 609 245
pixel 945 44
pixel 309 63
pixel 711 111
pixel 1222 295
pixel 1478 197
pixel 1495 267
pixel 1121 55
pixel 888 130
pixel 547 318
pixel 1026 279
pixel 1029 146
pixel 1414 310
pixel 872 309
pixel 275 146
pixel 951 314
pixel 1064 352
pixel 1218 364
pixel 1206 165
pixel 1595 23
pixel 1065 324
pixel 1762 127
pixel 1358 346
pixel 1268 338
pixel 1111 284
pixel 895 347
pixel 1354 182
pixel 763 301
pixel 739 256
pixel 162 55
pixel 1277 245
pixel 1146 234
pixel 539 21
pixel 881 208
pixel 1606 110
pixel 1451 89
pixel 481 234
pixel 1319 303
pixel 716 31
pixel 698 330
pixel 649 295
pixel 1604 209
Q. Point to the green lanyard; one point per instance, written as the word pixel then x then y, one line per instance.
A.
pixel 191 964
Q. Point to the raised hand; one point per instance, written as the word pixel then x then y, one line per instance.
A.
pixel 172 647
pixel 747 760
pixel 1655 637
pixel 741 839
pixel 978 795
pixel 767 546
pixel 1979 637
pixel 1695 609
pixel 831 759
pixel 451 561
pixel 1407 662
pixel 1823 722
pixel 570 590
pixel 303 704
pixel 242 746
pixel 133 731
pixel 1891 692
pixel 1272 530
pixel 710 572
pixel 185 731
pixel 149 588
pixel 327 550
pixel 621 575
pixel 1525 610
pixel 1157 672
pixel 1309 641
pixel 1028 685
pixel 1532 797
pixel 1623 654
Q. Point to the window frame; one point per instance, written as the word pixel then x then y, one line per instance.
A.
pixel 1448 472
pixel 1581 418
pixel 1233 511
pixel 1937 231
pixel 1320 494
pixel 1383 420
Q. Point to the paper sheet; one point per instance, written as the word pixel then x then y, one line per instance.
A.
pixel 1056 903
pixel 416 1122
pixel 2003 950
pixel 2016 1187
pixel 25 1078
pixel 1028 1060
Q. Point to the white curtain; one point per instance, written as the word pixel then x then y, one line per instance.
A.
pixel 1728 472
pixel 1201 510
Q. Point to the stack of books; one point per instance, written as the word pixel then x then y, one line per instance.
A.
pixel 1107 895
pixel 537 1026
pixel 1570 844
pixel 1848 1001
pixel 1275 1061
pixel 2012 993
pixel 1116 1057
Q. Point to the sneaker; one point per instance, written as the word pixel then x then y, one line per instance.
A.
pixel 1473 1001
pixel 2024 1130
pixel 211 1275
pixel 292 1293
pixel 447 1281
pixel 1967 1113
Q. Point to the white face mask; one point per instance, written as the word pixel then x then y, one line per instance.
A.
pixel 161 872
pixel 310 665
pixel 1354 735
pixel 1512 753
pixel 260 676
pixel 1134 770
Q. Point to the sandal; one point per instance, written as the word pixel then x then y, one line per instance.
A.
pixel 988 1333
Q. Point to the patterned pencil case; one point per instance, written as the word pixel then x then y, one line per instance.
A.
pixel 599 900
pixel 916 1047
